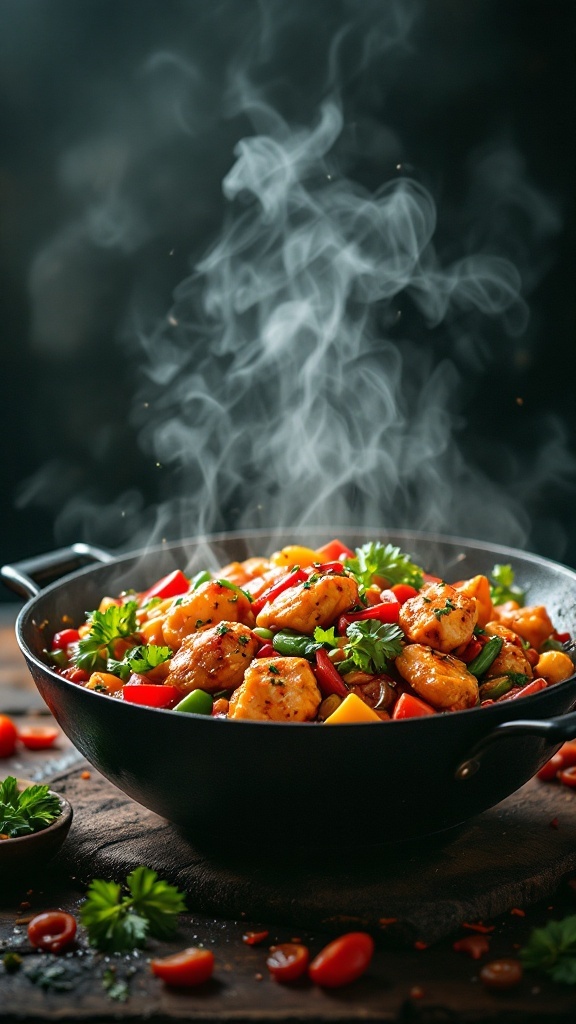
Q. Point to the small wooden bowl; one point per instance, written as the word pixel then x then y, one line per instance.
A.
pixel 25 852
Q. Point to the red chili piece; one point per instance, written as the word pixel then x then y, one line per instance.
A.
pixel 52 931
pixel 343 960
pixel 254 938
pixel 327 676
pixel 386 611
pixel 277 588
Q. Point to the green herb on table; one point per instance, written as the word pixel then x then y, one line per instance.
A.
pixel 55 976
pixel 117 988
pixel 27 811
pixel 386 562
pixel 117 920
pixel 552 950
pixel 502 588
pixel 12 962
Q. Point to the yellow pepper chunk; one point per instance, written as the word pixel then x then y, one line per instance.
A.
pixel 352 709
pixel 295 554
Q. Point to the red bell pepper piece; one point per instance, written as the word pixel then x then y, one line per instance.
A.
pixel 386 611
pixel 153 695
pixel 329 567
pixel 328 677
pixel 403 592
pixel 408 706
pixel 335 550
pixel 562 638
pixel 277 588
pixel 61 640
pixel 534 686
pixel 172 585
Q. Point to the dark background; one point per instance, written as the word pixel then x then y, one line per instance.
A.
pixel 76 105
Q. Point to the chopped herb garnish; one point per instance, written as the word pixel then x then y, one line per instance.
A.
pixel 552 950
pixel 140 659
pixel 275 671
pixel 117 622
pixel 326 636
pixel 448 607
pixel 232 586
pixel 371 644
pixel 502 587
pixel 243 639
pixel 222 629
pixel 384 561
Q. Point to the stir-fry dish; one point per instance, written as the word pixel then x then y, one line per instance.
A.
pixel 328 635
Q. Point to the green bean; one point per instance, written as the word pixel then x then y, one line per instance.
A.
pixel 487 655
pixel 494 688
pixel 295 645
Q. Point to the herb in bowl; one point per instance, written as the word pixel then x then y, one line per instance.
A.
pixel 23 812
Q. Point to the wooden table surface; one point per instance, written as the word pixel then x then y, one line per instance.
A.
pixel 406 985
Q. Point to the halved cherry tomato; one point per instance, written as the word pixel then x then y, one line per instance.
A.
pixel 343 960
pixel 38 737
pixel 568 754
pixel 328 677
pixel 335 551
pixel 153 695
pixel 52 931
pixel 74 675
pixel 192 966
pixel 403 592
pixel 408 706
pixel 568 776
pixel 549 770
pixel 172 585
pixel 288 961
pixel 64 638
pixel 8 736
pixel 277 588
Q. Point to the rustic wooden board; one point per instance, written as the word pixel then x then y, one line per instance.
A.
pixel 510 856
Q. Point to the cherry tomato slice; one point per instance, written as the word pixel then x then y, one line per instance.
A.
pixel 64 638
pixel 8 736
pixel 38 737
pixel 343 960
pixel 567 753
pixel 501 974
pixel 52 931
pixel 288 961
pixel 192 966
pixel 408 706
pixel 74 675
pixel 568 776
pixel 550 770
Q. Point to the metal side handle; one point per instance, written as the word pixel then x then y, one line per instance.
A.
pixel 29 576
pixel 553 730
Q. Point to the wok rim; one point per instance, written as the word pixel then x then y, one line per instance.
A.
pixel 253 534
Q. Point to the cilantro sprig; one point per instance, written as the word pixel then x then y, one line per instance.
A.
pixel 552 950
pixel 140 659
pixel 30 810
pixel 502 586
pixel 370 646
pixel 118 919
pixel 386 561
pixel 117 622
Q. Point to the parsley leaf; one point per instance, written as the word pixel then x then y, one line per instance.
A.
pixel 118 621
pixel 552 950
pixel 326 636
pixel 370 646
pixel 502 587
pixel 384 560
pixel 117 921
pixel 140 659
pixel 31 810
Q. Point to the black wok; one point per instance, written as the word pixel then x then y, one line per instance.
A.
pixel 242 781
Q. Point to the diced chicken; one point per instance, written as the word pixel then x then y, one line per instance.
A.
pixel 277 690
pixel 440 617
pixel 213 659
pixel 532 624
pixel 440 679
pixel 241 573
pixel 511 660
pixel 307 605
pixel 478 588
pixel 205 607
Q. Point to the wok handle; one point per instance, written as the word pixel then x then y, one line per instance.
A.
pixel 27 577
pixel 553 730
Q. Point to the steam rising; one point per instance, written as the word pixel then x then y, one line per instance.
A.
pixel 296 379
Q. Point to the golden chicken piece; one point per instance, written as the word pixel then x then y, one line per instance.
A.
pixel 478 587
pixel 532 624
pixel 512 657
pixel 307 605
pixel 205 607
pixel 213 659
pixel 241 572
pixel 554 666
pixel 442 680
pixel 440 617
pixel 277 690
